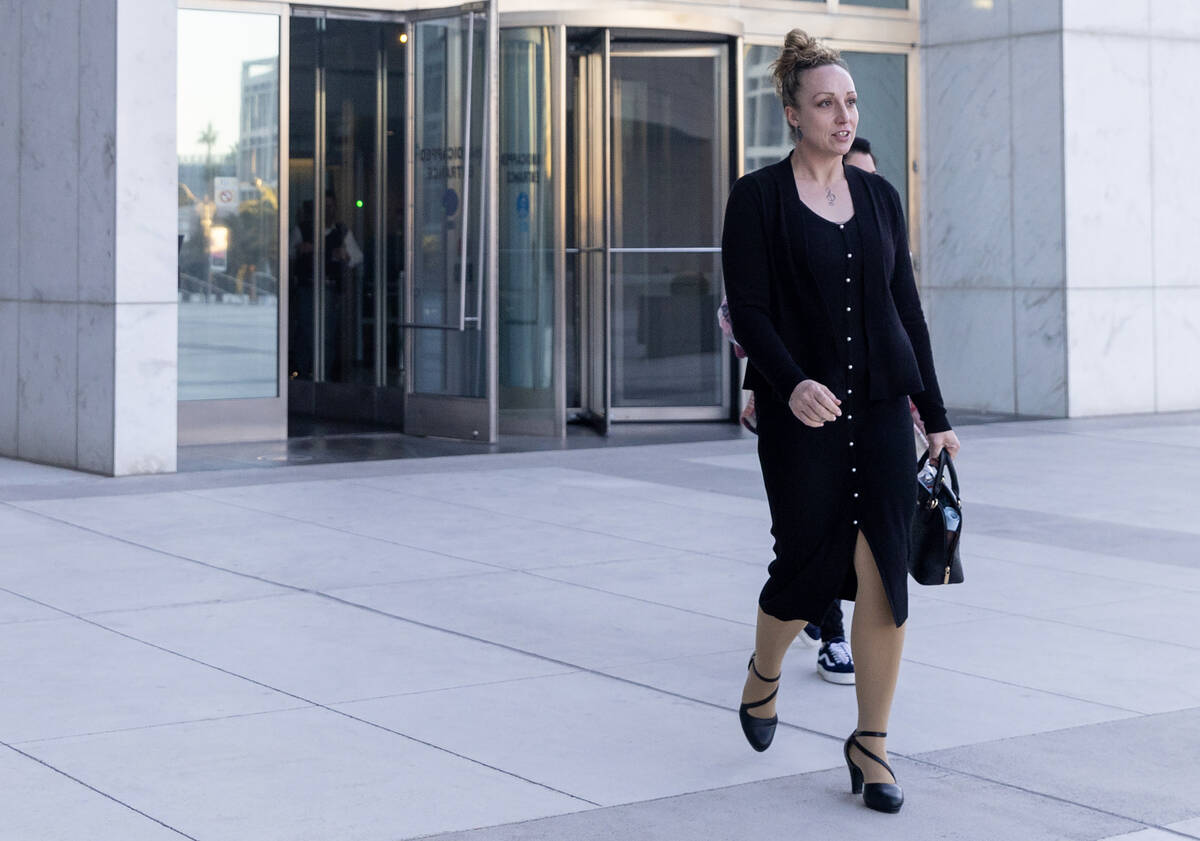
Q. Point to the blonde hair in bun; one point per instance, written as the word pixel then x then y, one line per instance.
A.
pixel 800 52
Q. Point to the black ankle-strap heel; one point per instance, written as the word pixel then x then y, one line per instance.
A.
pixel 882 797
pixel 759 731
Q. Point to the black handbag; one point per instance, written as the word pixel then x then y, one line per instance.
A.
pixel 933 556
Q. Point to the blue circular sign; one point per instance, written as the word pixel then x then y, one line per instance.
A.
pixel 450 201
pixel 523 205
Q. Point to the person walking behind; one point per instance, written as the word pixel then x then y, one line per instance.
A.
pixel 822 299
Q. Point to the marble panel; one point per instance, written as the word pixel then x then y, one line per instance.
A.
pixel 94 397
pixel 555 620
pixel 1177 347
pixel 78 678
pixel 1026 16
pixel 968 196
pixel 47 364
pixel 300 775
pixel 1142 768
pixel 97 150
pixel 1108 216
pixel 950 21
pixel 145 384
pixel 10 154
pixel 49 197
pixel 1110 351
pixel 1037 161
pixel 601 739
pixel 1175 18
pixel 53 807
pixel 1130 17
pixel 1040 334
pixel 1175 102
pixel 1088 665
pixel 323 650
pixel 147 167
pixel 15 608
pixel 9 332
pixel 972 332
pixel 93 574
pixel 983 710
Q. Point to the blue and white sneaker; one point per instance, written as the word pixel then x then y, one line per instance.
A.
pixel 834 662
pixel 811 635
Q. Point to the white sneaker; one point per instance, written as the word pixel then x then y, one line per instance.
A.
pixel 834 662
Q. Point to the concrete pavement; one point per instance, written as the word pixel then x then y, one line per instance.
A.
pixel 551 645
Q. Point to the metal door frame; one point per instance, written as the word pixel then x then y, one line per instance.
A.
pixel 592 235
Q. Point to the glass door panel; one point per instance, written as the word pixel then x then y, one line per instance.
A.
pixel 228 205
pixel 529 300
pixel 350 53
pixel 347 210
pixel 230 257
pixel 881 81
pixel 450 352
pixel 668 181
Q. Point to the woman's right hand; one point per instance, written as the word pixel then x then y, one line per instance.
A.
pixel 814 404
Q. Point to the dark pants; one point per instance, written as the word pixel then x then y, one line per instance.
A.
pixel 831 623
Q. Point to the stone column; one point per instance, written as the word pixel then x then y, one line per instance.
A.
pixel 993 203
pixel 87 234
pixel 1059 161
pixel 1132 117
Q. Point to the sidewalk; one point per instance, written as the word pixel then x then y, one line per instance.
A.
pixel 552 645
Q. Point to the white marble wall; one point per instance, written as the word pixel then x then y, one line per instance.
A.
pixel 1133 290
pixel 1059 154
pixel 992 233
pixel 87 239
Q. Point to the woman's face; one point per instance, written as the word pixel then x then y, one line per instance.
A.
pixel 826 110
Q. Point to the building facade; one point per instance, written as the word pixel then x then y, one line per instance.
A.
pixel 500 217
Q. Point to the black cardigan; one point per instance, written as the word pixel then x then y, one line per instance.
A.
pixel 780 316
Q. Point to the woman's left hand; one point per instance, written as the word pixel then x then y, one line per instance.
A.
pixel 942 440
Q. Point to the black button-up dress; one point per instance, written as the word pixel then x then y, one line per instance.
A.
pixel 853 474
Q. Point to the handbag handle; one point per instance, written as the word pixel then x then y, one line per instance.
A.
pixel 944 461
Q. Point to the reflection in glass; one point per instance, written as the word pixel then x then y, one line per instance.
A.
pixel 879 4
pixel 335 306
pixel 767 136
pixel 881 80
pixel 445 295
pixel 350 56
pixel 665 349
pixel 526 222
pixel 668 186
pixel 228 148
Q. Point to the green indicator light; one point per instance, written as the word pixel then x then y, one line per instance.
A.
pixel 358 203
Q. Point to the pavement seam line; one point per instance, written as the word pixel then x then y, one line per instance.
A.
pixel 1003 682
pixel 1034 565
pixel 471 637
pixel 1042 794
pixel 529 519
pixel 310 702
pixel 178 722
pixel 103 794
pixel 389 541
pixel 514 649
pixel 1008 614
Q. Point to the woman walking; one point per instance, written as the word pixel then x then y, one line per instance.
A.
pixel 822 298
